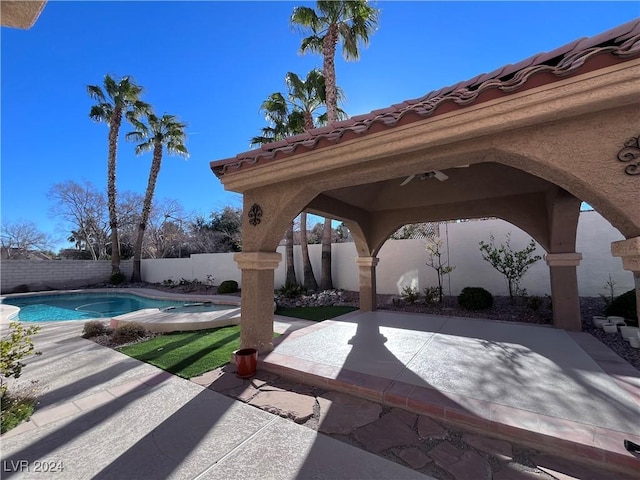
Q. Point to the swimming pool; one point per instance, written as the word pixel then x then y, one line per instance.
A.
pixel 84 306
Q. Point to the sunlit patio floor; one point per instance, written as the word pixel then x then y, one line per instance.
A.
pixel 557 391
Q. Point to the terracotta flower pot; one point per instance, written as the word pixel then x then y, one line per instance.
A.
pixel 246 362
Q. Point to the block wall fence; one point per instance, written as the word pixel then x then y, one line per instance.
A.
pixel 402 262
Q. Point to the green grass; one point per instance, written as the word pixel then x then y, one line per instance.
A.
pixel 188 354
pixel 315 313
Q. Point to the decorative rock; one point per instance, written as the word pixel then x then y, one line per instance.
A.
pixel 428 428
pixel 385 433
pixel 460 463
pixel 291 405
pixel 342 413
pixel 498 448
pixel 413 457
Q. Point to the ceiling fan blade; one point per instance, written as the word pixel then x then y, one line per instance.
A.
pixel 407 180
pixel 440 176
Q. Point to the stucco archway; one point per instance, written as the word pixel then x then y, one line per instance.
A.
pixel 526 143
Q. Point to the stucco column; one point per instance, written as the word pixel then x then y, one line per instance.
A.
pixel 564 290
pixel 367 270
pixel 256 313
pixel 629 251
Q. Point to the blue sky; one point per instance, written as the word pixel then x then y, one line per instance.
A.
pixel 213 63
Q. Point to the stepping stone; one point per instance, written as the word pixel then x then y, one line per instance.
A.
pixel 387 432
pixel 291 405
pixel 498 448
pixel 413 457
pixel 428 428
pixel 406 417
pixel 226 381
pixel 462 464
pixel 342 413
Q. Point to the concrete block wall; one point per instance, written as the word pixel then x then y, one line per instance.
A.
pixel 56 274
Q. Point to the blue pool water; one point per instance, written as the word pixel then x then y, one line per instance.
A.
pixel 84 306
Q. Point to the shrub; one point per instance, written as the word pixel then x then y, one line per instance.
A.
pixel 534 303
pixel 116 278
pixel 14 346
pixel 432 295
pixel 94 328
pixel 509 262
pixel 128 332
pixel 16 408
pixel 625 306
pixel 475 298
pixel 228 286
pixel 410 294
pixel 292 290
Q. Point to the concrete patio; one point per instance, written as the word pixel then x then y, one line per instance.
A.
pixel 105 415
pixel 557 391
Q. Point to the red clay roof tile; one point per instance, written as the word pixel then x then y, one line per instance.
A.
pixel 618 44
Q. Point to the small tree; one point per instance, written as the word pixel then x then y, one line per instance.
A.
pixel 434 250
pixel 512 264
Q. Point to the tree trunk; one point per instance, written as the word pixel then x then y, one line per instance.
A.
pixel 329 71
pixel 326 282
pixel 146 211
pixel 291 270
pixel 309 279
pixel 114 129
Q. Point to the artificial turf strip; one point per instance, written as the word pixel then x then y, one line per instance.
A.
pixel 315 313
pixel 188 354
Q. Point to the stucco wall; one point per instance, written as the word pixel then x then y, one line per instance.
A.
pixel 402 262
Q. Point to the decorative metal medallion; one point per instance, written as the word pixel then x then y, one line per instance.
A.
pixel 631 153
pixel 255 212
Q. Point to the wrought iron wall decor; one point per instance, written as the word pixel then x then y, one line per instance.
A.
pixel 631 153
pixel 255 212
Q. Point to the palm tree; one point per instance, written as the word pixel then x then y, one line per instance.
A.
pixel 283 122
pixel 155 135
pixel 119 98
pixel 308 96
pixel 349 22
pixel 290 115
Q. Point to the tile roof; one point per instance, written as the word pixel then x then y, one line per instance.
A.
pixel 580 56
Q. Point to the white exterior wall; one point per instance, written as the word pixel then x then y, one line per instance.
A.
pixel 402 262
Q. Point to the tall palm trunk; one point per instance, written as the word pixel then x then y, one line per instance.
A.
pixel 330 42
pixel 114 129
pixel 309 279
pixel 146 210
pixel 329 69
pixel 326 282
pixel 291 270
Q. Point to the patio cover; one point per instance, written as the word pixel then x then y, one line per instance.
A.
pixel 526 143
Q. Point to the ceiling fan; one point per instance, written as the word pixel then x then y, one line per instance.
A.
pixel 432 174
